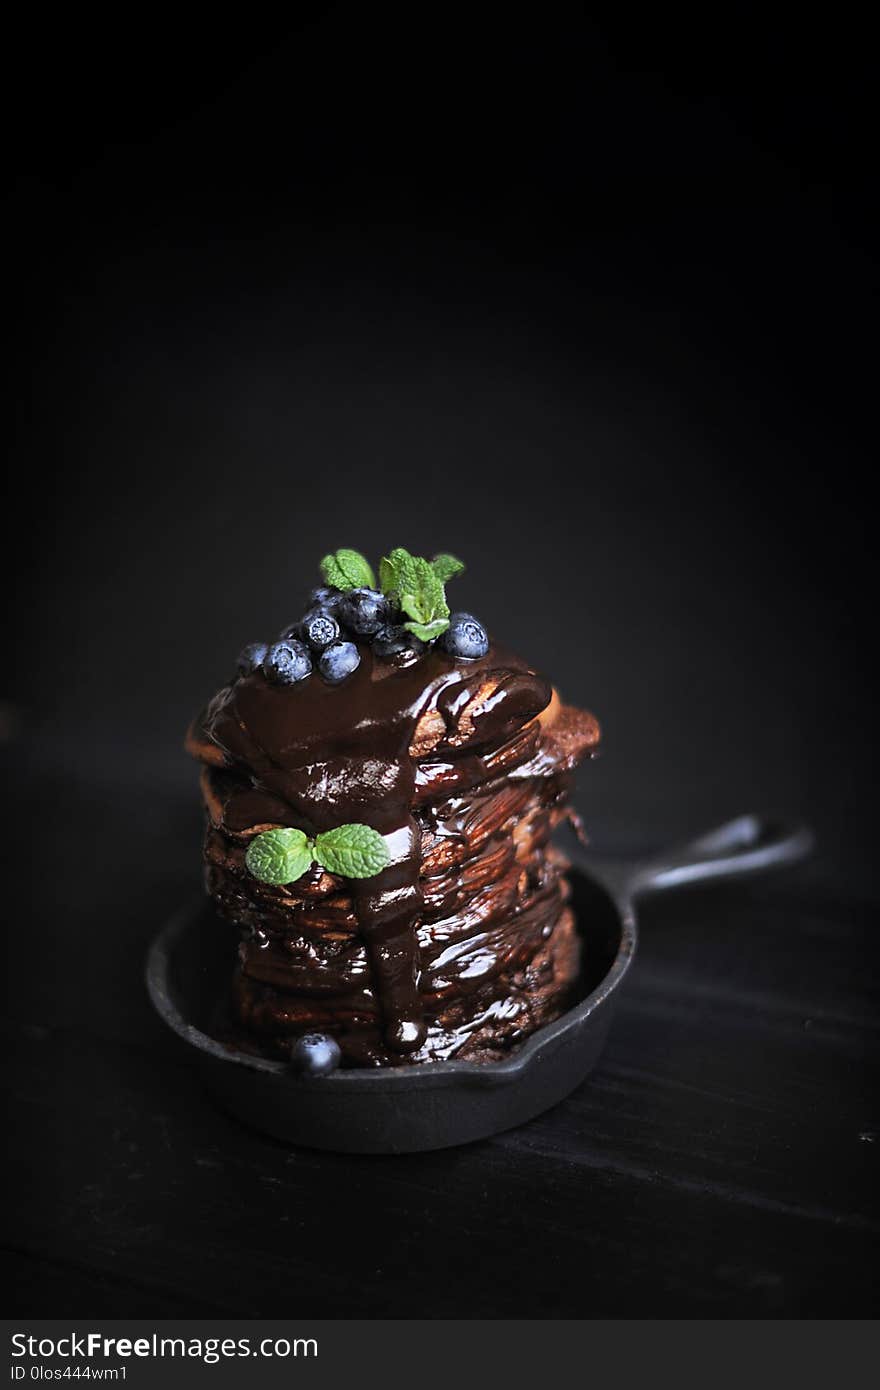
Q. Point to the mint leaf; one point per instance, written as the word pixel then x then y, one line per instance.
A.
pixel 421 592
pixel 332 572
pixel 354 850
pixel 446 567
pixel 390 567
pixel 387 575
pixel 279 856
pixel 347 569
pixel 426 632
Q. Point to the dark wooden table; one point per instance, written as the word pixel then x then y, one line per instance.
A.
pixel 721 1161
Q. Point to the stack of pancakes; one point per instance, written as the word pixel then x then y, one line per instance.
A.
pixel 465 944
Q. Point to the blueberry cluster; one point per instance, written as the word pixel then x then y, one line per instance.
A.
pixel 322 637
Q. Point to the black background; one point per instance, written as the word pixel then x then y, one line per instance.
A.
pixel 589 302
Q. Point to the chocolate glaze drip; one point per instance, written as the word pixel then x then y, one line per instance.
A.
pixel 316 756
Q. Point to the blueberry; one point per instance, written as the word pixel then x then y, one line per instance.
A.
pixel 286 662
pixel 465 637
pixel 324 597
pixel 251 657
pixel 323 600
pixel 394 641
pixel 319 628
pixel 339 661
pixel 363 610
pixel 316 1054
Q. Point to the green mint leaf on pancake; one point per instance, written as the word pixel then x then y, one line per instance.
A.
pixel 421 592
pixel 446 567
pixel 279 856
pixel 354 850
pixel 347 569
pixel 390 568
pixel 426 632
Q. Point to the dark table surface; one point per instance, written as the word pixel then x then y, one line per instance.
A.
pixel 721 1160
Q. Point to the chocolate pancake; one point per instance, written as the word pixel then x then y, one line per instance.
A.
pixel 464 943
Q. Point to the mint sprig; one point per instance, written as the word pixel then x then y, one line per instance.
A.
pixel 347 569
pixel 417 584
pixel 283 855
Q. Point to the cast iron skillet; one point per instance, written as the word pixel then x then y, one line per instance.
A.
pixel 406 1109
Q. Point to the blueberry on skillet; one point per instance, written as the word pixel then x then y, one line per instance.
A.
pixel 316 1054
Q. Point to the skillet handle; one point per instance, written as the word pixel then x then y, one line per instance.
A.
pixel 748 845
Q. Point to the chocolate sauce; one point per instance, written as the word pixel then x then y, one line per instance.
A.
pixel 316 756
